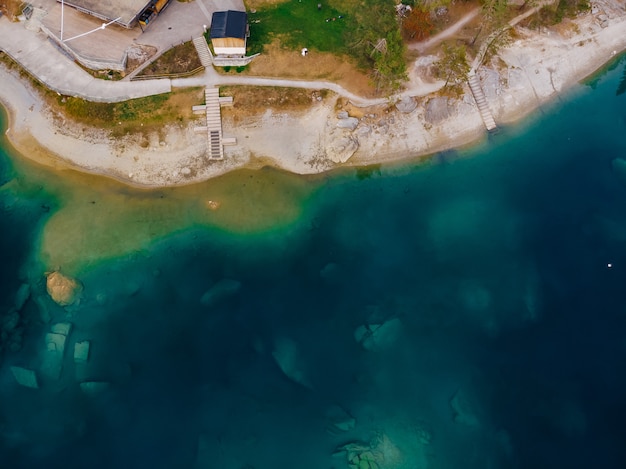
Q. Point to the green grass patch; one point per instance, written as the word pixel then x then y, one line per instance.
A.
pixel 141 114
pixel 110 114
pixel 301 24
pixel 349 27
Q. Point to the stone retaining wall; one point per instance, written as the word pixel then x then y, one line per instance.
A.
pixel 91 63
pixel 233 61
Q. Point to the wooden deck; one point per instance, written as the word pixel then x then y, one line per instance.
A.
pixel 213 127
pixel 214 123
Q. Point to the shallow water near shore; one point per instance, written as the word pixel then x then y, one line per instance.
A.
pixel 230 342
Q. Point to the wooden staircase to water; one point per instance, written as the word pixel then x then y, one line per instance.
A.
pixel 211 109
pixel 481 101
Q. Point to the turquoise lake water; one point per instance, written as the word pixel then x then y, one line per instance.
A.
pixel 495 329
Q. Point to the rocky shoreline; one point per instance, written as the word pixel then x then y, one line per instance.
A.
pixel 532 71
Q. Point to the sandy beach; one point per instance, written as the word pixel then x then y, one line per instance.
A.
pixel 537 67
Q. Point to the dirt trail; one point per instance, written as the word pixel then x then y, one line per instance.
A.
pixel 445 34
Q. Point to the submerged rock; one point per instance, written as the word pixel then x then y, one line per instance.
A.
pixel 619 169
pixel 288 359
pixel 52 364
pixel 62 289
pixel 81 351
pixel 220 291
pixel 63 328
pixel 331 272
pixel 53 359
pixel 379 453
pixel 44 312
pixel 374 337
pixel 10 321
pixel 340 421
pixel 463 411
pixel 22 296
pixel 94 387
pixel 475 297
pixel 25 377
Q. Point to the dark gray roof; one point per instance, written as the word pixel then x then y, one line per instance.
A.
pixel 229 24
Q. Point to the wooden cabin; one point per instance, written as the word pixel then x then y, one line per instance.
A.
pixel 229 33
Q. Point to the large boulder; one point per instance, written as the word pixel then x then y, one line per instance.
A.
pixel 62 289
pixel 349 123
pixel 438 109
pixel 341 149
pixel 406 105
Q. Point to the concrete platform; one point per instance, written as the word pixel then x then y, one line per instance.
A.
pixel 180 22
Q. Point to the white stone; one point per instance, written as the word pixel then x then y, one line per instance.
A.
pixel 340 149
pixel 25 377
pixel 406 105
pixel 348 123
pixel 81 351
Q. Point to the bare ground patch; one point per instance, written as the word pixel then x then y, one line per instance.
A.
pixel 250 101
pixel 280 62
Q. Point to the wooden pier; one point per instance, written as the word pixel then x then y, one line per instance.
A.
pixel 213 127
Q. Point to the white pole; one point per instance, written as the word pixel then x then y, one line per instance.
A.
pixel 62 10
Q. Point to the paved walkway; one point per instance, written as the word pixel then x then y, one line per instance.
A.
pixel 58 72
pixel 210 77
pixel 44 61
pixel 49 65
